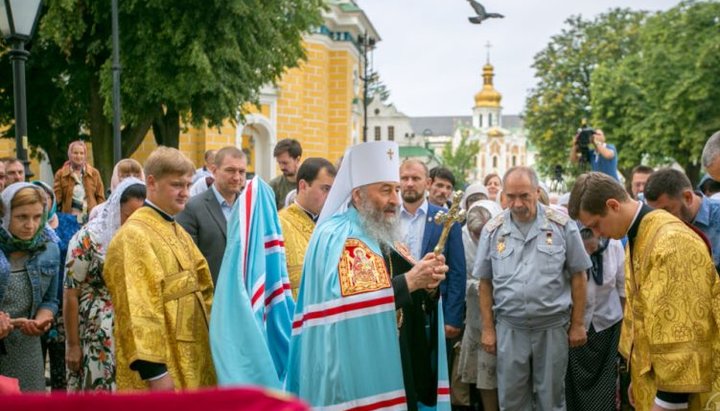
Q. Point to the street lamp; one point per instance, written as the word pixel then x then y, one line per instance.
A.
pixel 366 44
pixel 18 19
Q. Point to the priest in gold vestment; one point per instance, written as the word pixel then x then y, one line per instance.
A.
pixel 670 331
pixel 161 288
pixel 315 177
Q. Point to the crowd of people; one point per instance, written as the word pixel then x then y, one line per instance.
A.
pixel 326 281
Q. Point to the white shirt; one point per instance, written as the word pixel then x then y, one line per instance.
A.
pixel 198 187
pixel 603 308
pixel 413 228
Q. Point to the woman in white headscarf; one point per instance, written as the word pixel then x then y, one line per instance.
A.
pixel 88 310
pixel 476 366
pixel 474 192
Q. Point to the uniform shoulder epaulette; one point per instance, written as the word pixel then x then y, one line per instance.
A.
pixel 496 222
pixel 556 216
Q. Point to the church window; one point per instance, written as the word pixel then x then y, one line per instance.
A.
pixel 378 132
pixel 514 161
pixel 391 133
pixel 490 120
pixel 495 162
pixel 480 125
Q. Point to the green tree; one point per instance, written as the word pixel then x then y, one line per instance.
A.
pixel 661 101
pixel 562 96
pixel 181 63
pixel 55 101
pixel 460 159
pixel 377 87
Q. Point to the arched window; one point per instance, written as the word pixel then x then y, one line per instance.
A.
pixel 495 162
pixel 514 161
pixel 489 119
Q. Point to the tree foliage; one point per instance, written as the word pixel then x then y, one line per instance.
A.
pixel 564 69
pixel 378 88
pixel 460 159
pixel 181 61
pixel 661 101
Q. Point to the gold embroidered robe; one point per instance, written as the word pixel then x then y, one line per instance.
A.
pixel 297 227
pixel 161 290
pixel 670 330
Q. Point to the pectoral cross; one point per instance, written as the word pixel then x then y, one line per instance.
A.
pixel 447 219
pixel 390 153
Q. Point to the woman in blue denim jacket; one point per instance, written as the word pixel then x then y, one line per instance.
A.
pixel 29 263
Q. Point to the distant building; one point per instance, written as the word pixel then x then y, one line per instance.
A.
pixel 503 139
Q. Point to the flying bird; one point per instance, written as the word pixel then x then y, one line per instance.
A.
pixel 482 15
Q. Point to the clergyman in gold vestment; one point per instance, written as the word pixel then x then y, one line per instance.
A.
pixel 161 288
pixel 315 177
pixel 670 329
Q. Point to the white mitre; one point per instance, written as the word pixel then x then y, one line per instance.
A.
pixel 363 164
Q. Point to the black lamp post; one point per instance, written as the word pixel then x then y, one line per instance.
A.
pixel 366 44
pixel 18 19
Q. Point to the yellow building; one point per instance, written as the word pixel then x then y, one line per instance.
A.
pixel 319 103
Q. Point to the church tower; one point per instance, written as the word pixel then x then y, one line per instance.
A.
pixel 487 111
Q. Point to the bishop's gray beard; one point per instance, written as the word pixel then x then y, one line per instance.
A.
pixel 385 229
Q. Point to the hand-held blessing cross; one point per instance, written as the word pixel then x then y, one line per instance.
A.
pixel 447 219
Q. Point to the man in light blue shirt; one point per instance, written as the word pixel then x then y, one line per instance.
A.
pixel 414 211
pixel 205 216
pixel 671 190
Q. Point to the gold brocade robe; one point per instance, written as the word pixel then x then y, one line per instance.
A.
pixel 161 290
pixel 297 227
pixel 670 330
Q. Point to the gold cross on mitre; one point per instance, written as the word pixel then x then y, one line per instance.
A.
pixel 447 219
pixel 390 153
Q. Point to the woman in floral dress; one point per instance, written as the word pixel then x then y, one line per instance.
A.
pixel 88 310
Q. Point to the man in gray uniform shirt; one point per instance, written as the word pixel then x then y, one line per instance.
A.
pixel 531 264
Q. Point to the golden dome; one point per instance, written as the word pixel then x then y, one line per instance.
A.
pixel 495 132
pixel 488 96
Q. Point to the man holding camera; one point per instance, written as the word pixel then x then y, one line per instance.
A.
pixel 600 156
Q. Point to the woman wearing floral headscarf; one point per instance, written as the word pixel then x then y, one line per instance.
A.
pixel 88 310
pixel 28 283
pixel 78 187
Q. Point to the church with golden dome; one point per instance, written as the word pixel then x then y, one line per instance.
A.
pixel 503 139
pixel 501 145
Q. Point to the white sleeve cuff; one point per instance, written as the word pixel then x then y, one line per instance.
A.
pixel 669 405
pixel 157 377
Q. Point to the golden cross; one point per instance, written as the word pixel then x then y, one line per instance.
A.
pixel 447 219
pixel 390 153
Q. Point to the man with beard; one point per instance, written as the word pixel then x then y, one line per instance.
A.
pixel 531 264
pixel 671 190
pixel 421 235
pixel 358 295
pixel 287 154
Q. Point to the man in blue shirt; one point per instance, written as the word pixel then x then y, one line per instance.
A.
pixel 205 216
pixel 603 156
pixel 672 191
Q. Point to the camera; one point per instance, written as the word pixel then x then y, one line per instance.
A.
pixel 584 139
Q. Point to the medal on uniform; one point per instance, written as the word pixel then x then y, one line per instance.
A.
pixel 548 239
pixel 501 245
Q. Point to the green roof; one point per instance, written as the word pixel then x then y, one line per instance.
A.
pixel 416 151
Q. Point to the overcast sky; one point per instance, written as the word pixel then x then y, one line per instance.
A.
pixel 431 57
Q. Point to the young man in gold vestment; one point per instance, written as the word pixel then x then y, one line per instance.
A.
pixel 670 330
pixel 314 179
pixel 161 287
